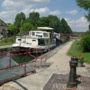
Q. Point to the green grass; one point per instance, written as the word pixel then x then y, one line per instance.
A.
pixel 76 50
pixel 7 41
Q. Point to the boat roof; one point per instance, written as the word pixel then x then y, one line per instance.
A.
pixel 45 28
pixel 38 31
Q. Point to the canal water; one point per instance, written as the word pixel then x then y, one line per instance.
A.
pixel 6 60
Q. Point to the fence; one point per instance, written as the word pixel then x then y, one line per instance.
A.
pixel 10 70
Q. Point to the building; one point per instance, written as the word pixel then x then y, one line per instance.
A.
pixel 3 29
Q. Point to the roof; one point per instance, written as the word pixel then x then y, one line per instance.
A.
pixel 45 28
pixel 2 23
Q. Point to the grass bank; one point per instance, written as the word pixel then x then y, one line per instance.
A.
pixel 7 41
pixel 76 50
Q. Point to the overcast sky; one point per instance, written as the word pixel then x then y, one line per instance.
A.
pixel 62 8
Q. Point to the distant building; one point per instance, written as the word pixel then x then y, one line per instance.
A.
pixel 3 29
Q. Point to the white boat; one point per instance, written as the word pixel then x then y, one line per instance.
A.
pixel 39 40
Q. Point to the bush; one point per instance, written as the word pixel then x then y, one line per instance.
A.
pixel 85 42
pixel 7 41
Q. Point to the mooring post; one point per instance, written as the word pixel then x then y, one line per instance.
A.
pixel 72 82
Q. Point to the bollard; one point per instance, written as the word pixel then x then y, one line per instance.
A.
pixel 72 82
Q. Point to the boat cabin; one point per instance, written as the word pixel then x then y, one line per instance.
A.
pixel 41 38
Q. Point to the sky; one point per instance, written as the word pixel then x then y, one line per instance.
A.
pixel 67 9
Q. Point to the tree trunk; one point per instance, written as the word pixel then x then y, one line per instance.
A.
pixel 89 27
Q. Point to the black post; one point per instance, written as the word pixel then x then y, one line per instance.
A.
pixel 72 82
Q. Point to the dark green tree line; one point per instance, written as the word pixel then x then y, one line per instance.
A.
pixel 23 24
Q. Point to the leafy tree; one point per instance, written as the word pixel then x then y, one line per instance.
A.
pixel 43 21
pixel 51 21
pixel 34 18
pixel 88 18
pixel 85 42
pixel 54 22
pixel 19 19
pixel 86 5
pixel 26 27
pixel 65 28
pixel 12 29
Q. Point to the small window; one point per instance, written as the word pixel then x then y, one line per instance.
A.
pixel 33 40
pixel 45 34
pixel 19 39
pixel 41 42
pixel 39 36
pixel 33 33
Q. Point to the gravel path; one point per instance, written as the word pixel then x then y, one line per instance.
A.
pixel 59 64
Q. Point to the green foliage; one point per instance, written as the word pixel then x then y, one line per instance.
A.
pixel 84 4
pixel 51 21
pixel 76 50
pixel 34 18
pixel 19 19
pixel 26 27
pixel 88 18
pixel 65 28
pixel 43 21
pixel 85 42
pixel 54 22
pixel 12 29
pixel 23 25
pixel 7 41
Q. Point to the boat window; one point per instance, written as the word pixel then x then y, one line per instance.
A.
pixel 39 35
pixel 45 34
pixel 33 40
pixel 33 33
pixel 38 32
pixel 19 39
pixel 41 42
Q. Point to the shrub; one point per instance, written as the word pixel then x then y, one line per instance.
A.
pixel 85 42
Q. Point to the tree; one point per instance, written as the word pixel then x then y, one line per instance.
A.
pixel 51 21
pixel 27 26
pixel 12 29
pixel 88 18
pixel 86 5
pixel 65 28
pixel 43 21
pixel 54 22
pixel 19 19
pixel 34 18
pixel 85 42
